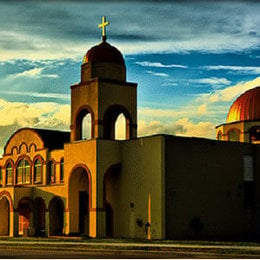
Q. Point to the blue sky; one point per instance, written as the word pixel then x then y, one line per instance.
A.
pixel 191 60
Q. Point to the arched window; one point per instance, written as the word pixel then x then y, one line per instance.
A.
pixel 84 124
pixel 9 174
pixel 117 123
pixel 37 171
pixel 233 135
pixel 23 174
pixel 120 127
pixel 254 134
pixel 1 177
pixel 51 169
pixel 86 127
pixel 62 170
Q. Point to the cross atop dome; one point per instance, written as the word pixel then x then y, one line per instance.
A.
pixel 103 25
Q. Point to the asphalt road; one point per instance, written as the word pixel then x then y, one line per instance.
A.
pixel 37 249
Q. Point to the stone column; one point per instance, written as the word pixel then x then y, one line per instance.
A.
pixel 15 223
pixel 47 223
pixel 66 222
pixel 11 224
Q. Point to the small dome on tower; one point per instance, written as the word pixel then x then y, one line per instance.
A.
pixel 246 107
pixel 104 52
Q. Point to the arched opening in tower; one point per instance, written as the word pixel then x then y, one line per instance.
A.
pixel 117 123
pixel 84 124
pixel 86 127
pixel 120 127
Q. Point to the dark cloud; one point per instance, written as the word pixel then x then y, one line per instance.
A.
pixel 46 24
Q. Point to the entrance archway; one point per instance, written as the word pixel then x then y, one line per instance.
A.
pixel 39 217
pixel 4 216
pixel 111 186
pixel 24 210
pixel 56 216
pixel 79 201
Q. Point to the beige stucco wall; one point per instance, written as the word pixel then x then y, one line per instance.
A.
pixel 141 175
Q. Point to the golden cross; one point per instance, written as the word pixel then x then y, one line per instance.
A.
pixel 103 25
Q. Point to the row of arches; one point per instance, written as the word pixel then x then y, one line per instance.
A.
pixel 234 135
pixel 25 171
pixel 80 203
pixel 23 148
pixel 32 216
pixel 117 124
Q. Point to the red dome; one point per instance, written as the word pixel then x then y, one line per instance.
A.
pixel 104 52
pixel 246 107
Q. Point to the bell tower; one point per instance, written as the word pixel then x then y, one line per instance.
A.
pixel 103 93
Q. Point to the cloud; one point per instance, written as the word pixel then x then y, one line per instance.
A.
pixel 160 65
pixel 230 93
pixel 158 113
pixel 194 110
pixel 241 69
pixel 182 127
pixel 39 95
pixel 15 115
pixel 212 81
pixel 159 74
pixel 158 127
pixel 35 114
pixel 202 109
pixel 49 29
pixel 33 73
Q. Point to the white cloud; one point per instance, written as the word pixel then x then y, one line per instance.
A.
pixel 230 93
pixel 194 110
pixel 242 69
pixel 158 113
pixel 182 127
pixel 33 73
pixel 159 74
pixel 159 65
pixel 212 81
pixel 33 115
pixel 15 115
pixel 37 94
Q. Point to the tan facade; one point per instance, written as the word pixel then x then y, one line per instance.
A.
pixel 31 176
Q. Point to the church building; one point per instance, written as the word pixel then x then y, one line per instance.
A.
pixel 55 183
